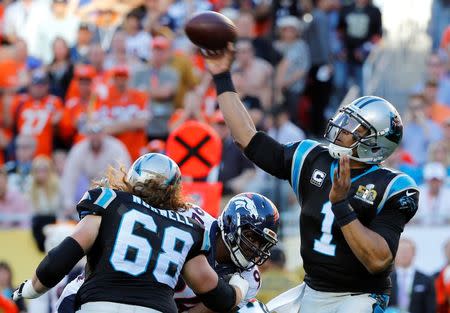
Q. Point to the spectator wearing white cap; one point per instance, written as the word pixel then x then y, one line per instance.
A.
pixel 293 68
pixel 434 207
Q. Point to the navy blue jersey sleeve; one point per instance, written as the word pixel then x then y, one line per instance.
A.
pixel 270 155
pixel 399 204
pixel 95 201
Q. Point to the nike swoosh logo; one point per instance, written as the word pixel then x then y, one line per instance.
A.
pixel 408 194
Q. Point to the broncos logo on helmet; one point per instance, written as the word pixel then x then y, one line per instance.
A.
pixel 247 204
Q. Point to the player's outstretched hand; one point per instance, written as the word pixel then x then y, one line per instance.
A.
pixel 17 295
pixel 341 181
pixel 26 291
pixel 219 61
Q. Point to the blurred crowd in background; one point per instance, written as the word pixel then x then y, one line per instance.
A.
pixel 85 84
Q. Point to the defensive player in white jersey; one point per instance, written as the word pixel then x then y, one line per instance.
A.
pixel 241 239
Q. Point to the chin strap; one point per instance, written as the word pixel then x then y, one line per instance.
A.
pixel 337 152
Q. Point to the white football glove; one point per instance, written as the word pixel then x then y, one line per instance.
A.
pixel 26 291
pixel 239 282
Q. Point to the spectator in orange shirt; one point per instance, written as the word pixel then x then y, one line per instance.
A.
pixel 78 110
pixel 14 70
pixel 125 113
pixel 37 112
pixel 102 77
pixel 436 111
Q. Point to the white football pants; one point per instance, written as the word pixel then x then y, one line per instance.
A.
pixel 112 307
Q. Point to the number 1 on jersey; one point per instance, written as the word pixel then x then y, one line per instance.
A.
pixel 324 245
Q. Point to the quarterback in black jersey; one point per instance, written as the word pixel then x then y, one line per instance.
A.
pixel 353 209
pixel 137 244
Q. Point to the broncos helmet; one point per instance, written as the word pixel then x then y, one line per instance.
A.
pixel 154 166
pixel 379 117
pixel 249 225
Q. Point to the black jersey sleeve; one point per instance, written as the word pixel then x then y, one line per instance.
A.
pixel 202 246
pixel 95 201
pixel 270 155
pixel 393 216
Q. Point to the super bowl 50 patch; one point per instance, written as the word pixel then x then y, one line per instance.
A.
pixel 366 193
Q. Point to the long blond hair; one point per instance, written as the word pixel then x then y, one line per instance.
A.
pixel 51 186
pixel 153 191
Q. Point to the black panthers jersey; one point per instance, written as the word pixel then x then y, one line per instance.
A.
pixel 139 251
pixel 384 201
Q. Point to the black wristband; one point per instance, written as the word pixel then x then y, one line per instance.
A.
pixel 220 299
pixel 343 213
pixel 223 82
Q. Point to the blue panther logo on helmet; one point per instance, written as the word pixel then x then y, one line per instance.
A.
pixel 376 128
pixel 395 133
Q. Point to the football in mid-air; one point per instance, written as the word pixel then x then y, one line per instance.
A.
pixel 210 30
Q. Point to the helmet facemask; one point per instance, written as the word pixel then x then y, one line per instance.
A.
pixel 249 246
pixel 347 120
pixel 255 245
